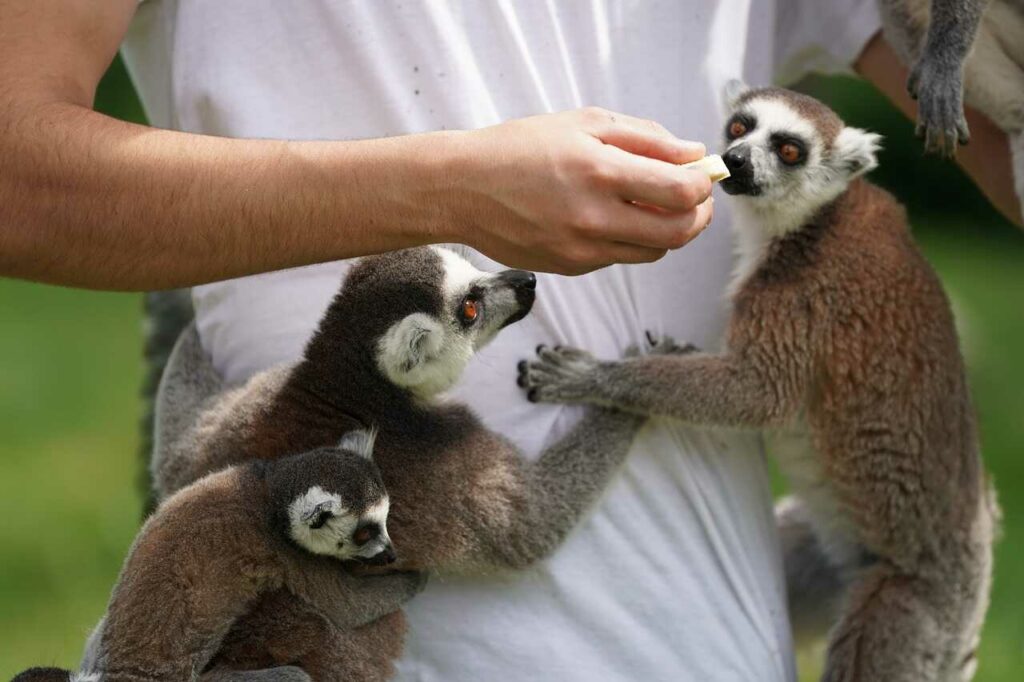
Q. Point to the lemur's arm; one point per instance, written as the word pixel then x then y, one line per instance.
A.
pixel 349 601
pixel 951 31
pixel 525 519
pixel 937 79
pixel 725 390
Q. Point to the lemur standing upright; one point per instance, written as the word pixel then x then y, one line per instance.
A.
pixel 935 38
pixel 841 346
pixel 397 335
pixel 213 548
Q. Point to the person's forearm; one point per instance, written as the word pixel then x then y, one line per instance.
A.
pixel 120 206
pixel 89 201
pixel 986 159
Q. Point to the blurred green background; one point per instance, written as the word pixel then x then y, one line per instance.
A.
pixel 71 371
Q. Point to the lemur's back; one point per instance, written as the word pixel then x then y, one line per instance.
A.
pixel 201 424
pixel 888 406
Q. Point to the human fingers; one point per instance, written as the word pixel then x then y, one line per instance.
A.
pixel 641 136
pixel 654 183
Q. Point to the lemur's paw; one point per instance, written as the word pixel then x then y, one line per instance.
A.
pixel 666 345
pixel 403 584
pixel 282 673
pixel 287 673
pixel 414 582
pixel 559 374
pixel 938 89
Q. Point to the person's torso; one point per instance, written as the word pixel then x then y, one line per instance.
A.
pixel 676 574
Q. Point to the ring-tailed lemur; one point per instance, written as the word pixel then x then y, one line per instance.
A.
pixel 842 347
pixel 212 549
pixel 935 39
pixel 398 334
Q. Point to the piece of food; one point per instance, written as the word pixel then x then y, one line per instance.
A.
pixel 711 164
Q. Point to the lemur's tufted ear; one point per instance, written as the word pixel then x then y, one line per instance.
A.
pixel 408 344
pixel 855 151
pixel 734 89
pixel 360 442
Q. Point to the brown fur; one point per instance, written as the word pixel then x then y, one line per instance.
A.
pixel 844 334
pixel 461 496
pixel 208 554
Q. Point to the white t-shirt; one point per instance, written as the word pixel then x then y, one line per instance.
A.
pixel 676 574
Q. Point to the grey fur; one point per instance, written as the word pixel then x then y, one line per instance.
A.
pixel 214 548
pixel 462 497
pixel 842 348
pixel 935 38
pixel 165 315
pixel 815 584
pixel 284 673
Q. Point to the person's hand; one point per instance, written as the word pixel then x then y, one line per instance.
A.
pixel 578 190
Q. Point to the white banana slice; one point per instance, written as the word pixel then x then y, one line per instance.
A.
pixel 712 165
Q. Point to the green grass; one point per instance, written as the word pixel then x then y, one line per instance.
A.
pixel 68 410
pixel 70 372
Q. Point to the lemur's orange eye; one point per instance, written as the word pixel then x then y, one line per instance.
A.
pixel 737 129
pixel 789 153
pixel 362 536
pixel 469 310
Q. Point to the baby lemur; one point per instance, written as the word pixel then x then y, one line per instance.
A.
pixel 214 547
pixel 398 334
pixel 841 346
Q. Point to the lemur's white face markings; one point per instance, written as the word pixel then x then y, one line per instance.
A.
pixel 428 354
pixel 786 163
pixel 321 524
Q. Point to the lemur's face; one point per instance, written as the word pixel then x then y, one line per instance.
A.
pixel 786 150
pixel 336 502
pixel 427 351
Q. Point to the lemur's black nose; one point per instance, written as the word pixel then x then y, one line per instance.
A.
pixel 519 279
pixel 383 558
pixel 736 158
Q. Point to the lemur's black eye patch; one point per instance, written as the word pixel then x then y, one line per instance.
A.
pixel 739 125
pixel 320 519
pixel 365 533
pixel 792 151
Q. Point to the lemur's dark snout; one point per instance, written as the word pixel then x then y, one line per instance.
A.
pixel 519 279
pixel 524 285
pixel 741 178
pixel 382 558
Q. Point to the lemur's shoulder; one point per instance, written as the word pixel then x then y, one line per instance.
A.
pixel 867 212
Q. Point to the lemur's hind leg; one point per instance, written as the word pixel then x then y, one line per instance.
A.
pixel 894 628
pixel 815 585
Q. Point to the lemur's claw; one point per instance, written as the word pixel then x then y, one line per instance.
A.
pixel 938 88
pixel 559 374
pixel 666 345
